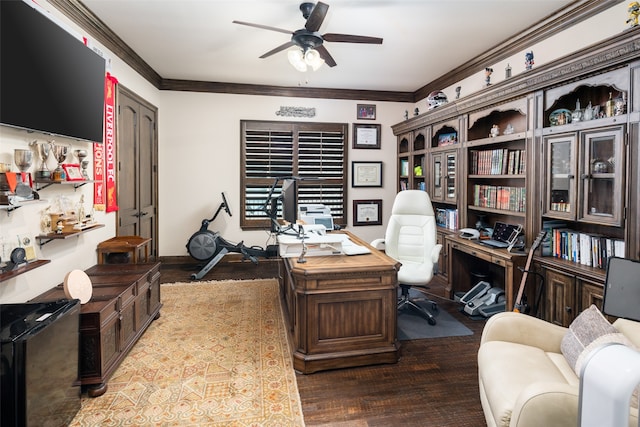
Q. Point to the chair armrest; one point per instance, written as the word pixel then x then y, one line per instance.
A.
pixel 523 329
pixel 378 244
pixel 546 404
pixel 435 253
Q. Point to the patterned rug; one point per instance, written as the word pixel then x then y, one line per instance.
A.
pixel 217 356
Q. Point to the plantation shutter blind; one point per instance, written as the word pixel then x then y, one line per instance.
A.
pixel 314 152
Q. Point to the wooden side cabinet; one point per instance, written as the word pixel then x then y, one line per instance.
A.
pixel 125 300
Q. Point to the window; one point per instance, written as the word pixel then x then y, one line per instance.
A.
pixel 314 152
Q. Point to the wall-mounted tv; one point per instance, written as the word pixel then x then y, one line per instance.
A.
pixel 50 82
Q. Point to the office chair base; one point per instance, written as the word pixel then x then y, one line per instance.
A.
pixel 405 301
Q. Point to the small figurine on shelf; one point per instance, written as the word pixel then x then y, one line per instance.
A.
pixel 406 115
pixel 495 131
pixel 507 72
pixel 45 221
pixel 508 130
pixel 588 112
pixel 416 111
pixel 458 89
pixel 59 226
pixel 487 75
pixel 634 11
pixel 528 60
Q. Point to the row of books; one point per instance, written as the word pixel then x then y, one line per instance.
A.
pixel 589 249
pixel 447 218
pixel 499 161
pixel 500 197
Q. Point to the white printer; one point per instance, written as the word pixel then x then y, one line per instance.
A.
pixel 315 214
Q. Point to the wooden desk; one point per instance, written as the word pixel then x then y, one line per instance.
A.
pixel 466 256
pixel 125 300
pixel 341 310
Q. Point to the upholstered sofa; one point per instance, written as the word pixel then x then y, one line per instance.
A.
pixel 525 378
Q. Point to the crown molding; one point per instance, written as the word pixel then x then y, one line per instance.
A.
pixel 578 11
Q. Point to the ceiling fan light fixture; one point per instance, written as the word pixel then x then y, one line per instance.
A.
pixel 312 58
pixel 296 59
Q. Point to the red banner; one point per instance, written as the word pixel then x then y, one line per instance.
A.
pixel 110 143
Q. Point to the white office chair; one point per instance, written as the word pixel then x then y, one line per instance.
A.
pixel 410 238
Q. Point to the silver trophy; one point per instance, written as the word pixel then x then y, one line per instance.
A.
pixel 81 155
pixel 60 154
pixel 43 149
pixel 24 160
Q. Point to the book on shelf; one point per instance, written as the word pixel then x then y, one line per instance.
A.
pixel 588 249
pixel 499 161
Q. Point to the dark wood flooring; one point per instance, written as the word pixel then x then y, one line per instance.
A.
pixel 435 383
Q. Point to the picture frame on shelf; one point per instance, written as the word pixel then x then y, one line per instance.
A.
pixel 366 174
pixel 367 212
pixel 366 112
pixel 366 136
pixel 26 242
pixel 73 172
pixel 447 139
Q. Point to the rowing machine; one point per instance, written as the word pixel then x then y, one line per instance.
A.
pixel 206 245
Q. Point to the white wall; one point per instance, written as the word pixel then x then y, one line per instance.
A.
pixel 199 157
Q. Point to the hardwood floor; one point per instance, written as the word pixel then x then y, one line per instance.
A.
pixel 435 383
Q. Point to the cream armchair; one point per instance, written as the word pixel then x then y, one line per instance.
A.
pixel 524 378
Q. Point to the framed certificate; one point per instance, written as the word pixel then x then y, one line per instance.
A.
pixel 366 136
pixel 367 212
pixel 366 174
pixel 73 172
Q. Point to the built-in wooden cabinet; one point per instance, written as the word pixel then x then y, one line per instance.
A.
pixel 555 148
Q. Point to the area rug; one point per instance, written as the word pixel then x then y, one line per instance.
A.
pixel 412 326
pixel 217 356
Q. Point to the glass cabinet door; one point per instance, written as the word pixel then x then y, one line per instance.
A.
pixel 450 176
pixel 560 197
pixel 437 177
pixel 601 176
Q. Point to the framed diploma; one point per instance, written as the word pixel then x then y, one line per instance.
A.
pixel 367 212
pixel 366 136
pixel 366 174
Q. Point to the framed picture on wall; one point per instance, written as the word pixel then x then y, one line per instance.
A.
pixel 366 136
pixel 367 212
pixel 366 174
pixel 366 112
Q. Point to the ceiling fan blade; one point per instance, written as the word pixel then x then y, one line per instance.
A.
pixel 278 49
pixel 350 38
pixel 324 54
pixel 264 27
pixel 315 19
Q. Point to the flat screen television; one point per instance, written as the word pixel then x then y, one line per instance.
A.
pixel 289 197
pixel 50 82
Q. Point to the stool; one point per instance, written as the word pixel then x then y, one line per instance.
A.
pixel 124 244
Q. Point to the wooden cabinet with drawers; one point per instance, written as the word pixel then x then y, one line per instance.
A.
pixel 125 300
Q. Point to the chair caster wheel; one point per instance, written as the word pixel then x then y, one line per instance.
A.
pixel 194 276
pixel 431 321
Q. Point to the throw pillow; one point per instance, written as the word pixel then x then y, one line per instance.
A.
pixel 588 331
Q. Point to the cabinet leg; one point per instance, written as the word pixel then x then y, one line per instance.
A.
pixel 97 390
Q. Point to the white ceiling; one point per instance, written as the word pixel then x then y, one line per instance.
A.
pixel 423 39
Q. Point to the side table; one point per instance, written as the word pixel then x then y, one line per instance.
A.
pixel 124 244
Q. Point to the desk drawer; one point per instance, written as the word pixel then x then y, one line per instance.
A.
pixel 473 252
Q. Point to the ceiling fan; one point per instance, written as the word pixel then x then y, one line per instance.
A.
pixel 308 38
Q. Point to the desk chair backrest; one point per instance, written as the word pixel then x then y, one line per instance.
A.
pixel 411 236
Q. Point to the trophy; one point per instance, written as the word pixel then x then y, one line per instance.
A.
pixel 60 154
pixel 24 160
pixel 81 155
pixel 43 149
